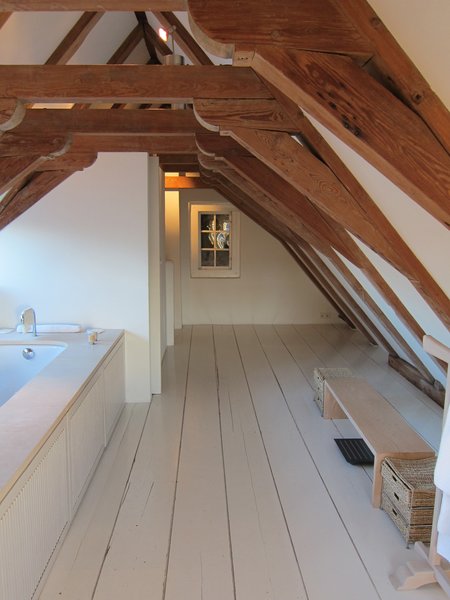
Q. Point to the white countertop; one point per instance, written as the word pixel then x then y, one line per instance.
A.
pixel 30 416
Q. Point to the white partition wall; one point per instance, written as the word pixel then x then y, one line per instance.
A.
pixel 81 255
pixel 156 272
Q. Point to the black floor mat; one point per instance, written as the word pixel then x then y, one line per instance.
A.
pixel 355 451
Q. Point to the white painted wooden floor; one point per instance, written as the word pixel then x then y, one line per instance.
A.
pixel 231 487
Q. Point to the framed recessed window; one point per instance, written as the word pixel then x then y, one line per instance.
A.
pixel 214 240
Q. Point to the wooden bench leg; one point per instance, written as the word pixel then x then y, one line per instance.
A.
pixel 377 481
pixel 331 408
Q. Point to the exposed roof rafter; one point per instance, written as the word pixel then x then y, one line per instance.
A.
pixel 92 5
pixel 183 38
pixel 73 40
pixel 367 117
pixel 4 16
pixel 127 83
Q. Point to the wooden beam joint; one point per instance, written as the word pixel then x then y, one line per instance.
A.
pixel 432 388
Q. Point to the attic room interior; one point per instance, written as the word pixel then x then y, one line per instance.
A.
pixel 223 259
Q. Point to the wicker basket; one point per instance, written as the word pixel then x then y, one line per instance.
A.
pixel 409 482
pixel 320 375
pixel 408 496
pixel 411 532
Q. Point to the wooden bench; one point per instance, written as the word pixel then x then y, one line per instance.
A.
pixel 383 429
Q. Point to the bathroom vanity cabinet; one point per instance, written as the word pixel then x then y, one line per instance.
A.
pixel 36 512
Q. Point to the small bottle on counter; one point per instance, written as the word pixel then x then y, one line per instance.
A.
pixel 92 337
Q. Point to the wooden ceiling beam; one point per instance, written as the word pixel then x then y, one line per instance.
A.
pixel 72 161
pixel 183 38
pixel 179 168
pixel 394 249
pixel 301 169
pixel 152 144
pixel 12 111
pixel 255 114
pixel 4 16
pixel 155 45
pixel 13 169
pixel 12 144
pixel 120 55
pixel 39 185
pixel 310 24
pixel 397 70
pixel 73 40
pixel 367 117
pixel 176 163
pixel 127 83
pixel 92 5
pixel 434 390
pixel 126 47
pixel 103 121
pixel 184 183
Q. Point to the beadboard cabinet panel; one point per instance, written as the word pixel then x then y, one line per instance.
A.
pixel 33 518
pixel 86 441
pixel 114 378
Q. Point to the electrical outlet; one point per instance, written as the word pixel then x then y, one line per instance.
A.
pixel 324 315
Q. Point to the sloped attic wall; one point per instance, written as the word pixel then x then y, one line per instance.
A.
pixel 429 47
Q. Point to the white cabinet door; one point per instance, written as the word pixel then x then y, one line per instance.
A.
pixel 114 376
pixel 86 440
pixel 33 517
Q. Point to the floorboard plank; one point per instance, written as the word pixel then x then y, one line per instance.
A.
pixel 265 564
pixel 330 563
pixel 136 563
pixel 200 560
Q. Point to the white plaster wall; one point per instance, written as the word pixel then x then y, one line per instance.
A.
pixel 172 226
pixel 157 270
pixel 271 288
pixel 31 37
pixel 81 255
pixel 105 38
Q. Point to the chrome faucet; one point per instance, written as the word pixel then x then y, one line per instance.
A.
pixel 24 317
